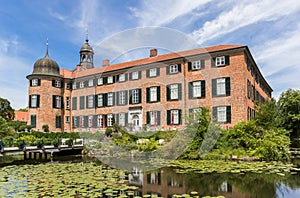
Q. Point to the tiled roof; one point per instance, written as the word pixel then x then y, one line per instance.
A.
pixel 148 60
pixel 21 116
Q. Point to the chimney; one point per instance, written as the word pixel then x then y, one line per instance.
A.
pixel 153 52
pixel 105 63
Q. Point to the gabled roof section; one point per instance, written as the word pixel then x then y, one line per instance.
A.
pixel 159 58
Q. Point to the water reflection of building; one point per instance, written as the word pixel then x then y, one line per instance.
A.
pixel 166 183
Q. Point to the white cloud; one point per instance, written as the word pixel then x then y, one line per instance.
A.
pixel 242 14
pixel 157 12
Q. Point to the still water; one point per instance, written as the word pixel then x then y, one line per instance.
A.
pixel 85 177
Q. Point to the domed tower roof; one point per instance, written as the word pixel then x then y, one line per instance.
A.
pixel 86 47
pixel 46 66
pixel 86 55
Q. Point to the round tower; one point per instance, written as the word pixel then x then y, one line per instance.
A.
pixel 45 91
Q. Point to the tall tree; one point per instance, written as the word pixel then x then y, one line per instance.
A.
pixel 267 114
pixel 289 111
pixel 6 111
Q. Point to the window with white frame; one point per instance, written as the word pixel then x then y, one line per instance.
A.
pixel 122 98
pixel 34 101
pixel 91 82
pixel 122 118
pixel 110 120
pixel 135 96
pixel 67 119
pixel 122 77
pixel 100 102
pixel 153 118
pixel 221 88
pixel 221 114
pixel 174 116
pixel 74 86
pixel 196 65
pixel 99 121
pixel 110 99
pixel 220 61
pixel 90 101
pixel 57 83
pixel 135 75
pixel 153 72
pixel 100 81
pixel 197 89
pixel 173 69
pixel 174 91
pixel 57 102
pixel 153 94
pixel 67 102
pixel 90 121
pixel 110 79
pixel 81 121
pixel 34 82
pixel 81 85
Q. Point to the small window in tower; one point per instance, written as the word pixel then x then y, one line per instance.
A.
pixel 57 83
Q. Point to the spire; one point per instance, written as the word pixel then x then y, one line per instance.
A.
pixel 47 48
pixel 86 36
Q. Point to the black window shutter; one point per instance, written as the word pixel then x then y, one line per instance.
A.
pixel 157 71
pixel 168 92
pixel 168 117
pixel 81 102
pixel 113 98
pixel 213 62
pixel 168 69
pixel 190 84
pixel 53 102
pixel 179 116
pixel 203 88
pixel 117 77
pixel 130 96
pixel 214 87
pixel 227 60
pixel 104 80
pixel 227 86
pixel 189 66
pixel 148 73
pixel 38 101
pixel 126 119
pixel 179 67
pixel 126 77
pixel 96 101
pixel 202 64
pixel 148 94
pixel 39 82
pixel 33 120
pixel 53 83
pixel 158 93
pixel 77 85
pixel 56 122
pixel 73 122
pixel 30 100
pixel 104 99
pixel 130 76
pixel 30 83
pixel 228 114
pixel 117 98
pixel 86 121
pixel 140 95
pixel 126 97
pixel 87 102
pixel 114 79
pixel 95 121
pixel 86 83
pixel 139 74
pixel 158 118
pixel 179 91
pixel 215 113
pixel 148 117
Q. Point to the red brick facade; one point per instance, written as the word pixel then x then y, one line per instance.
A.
pixel 184 80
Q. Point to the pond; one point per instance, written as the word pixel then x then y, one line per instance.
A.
pixel 86 177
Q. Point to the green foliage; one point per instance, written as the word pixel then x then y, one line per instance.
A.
pixel 5 129
pixel 19 126
pixel 108 132
pixel 151 145
pixel 6 111
pixel 45 128
pixel 267 114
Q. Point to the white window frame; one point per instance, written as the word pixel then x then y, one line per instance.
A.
pixel 174 91
pixel 110 120
pixel 174 116
pixel 196 65
pixel 153 94
pixel 100 81
pixel 135 96
pixel 110 99
pixel 34 101
pixel 153 72
pixel 91 82
pixel 34 82
pixel 90 101
pixel 122 77
pixel 135 75
pixel 99 121
pixel 221 114
pixel 173 69
pixel 90 121
pixel 110 79
pixel 81 121
pixel 57 83
pixel 153 118
pixel 75 122
pixel 57 101
pixel 100 101
pixel 74 86
pixel 221 86
pixel 122 119
pixel 67 102
pixel 122 98
pixel 67 119
pixel 220 61
pixel 197 89
pixel 81 84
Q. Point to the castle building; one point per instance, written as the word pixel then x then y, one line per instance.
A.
pixel 154 93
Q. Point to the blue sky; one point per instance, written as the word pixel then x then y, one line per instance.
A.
pixel 271 29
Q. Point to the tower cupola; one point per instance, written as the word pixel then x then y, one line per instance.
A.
pixel 86 55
